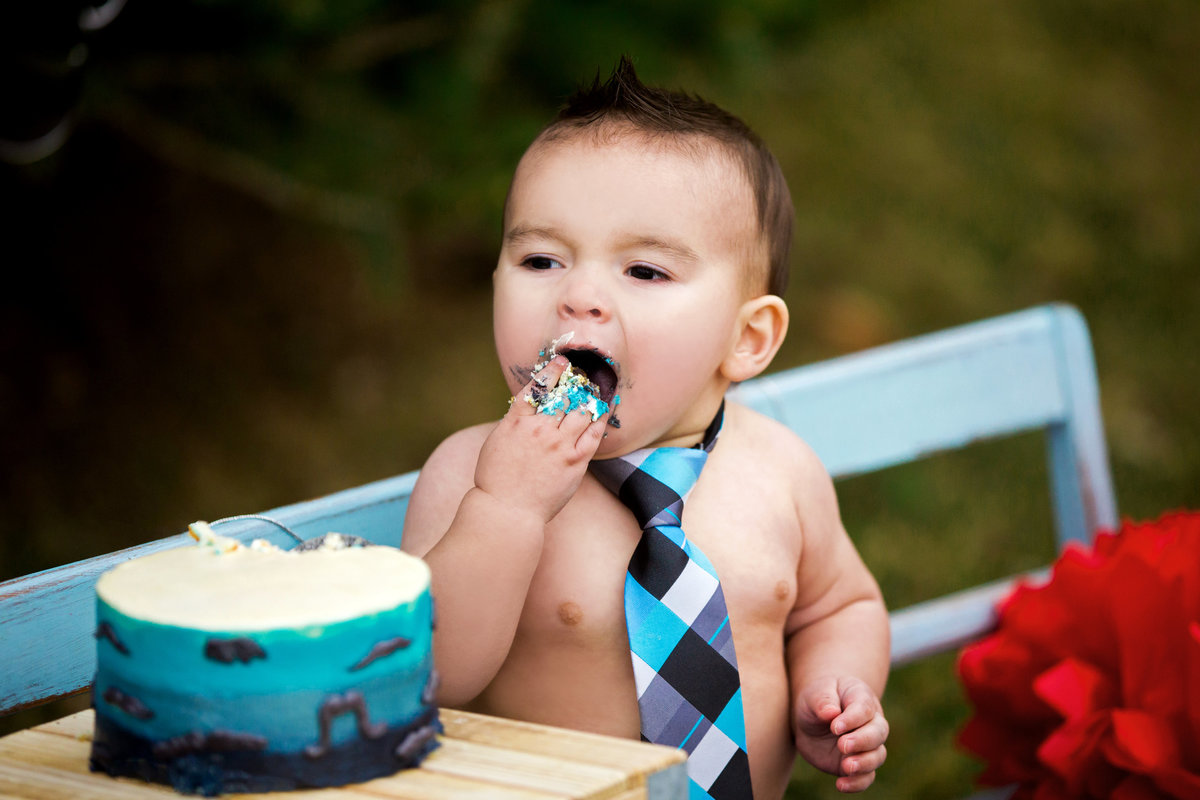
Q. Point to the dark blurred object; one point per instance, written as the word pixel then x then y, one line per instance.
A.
pixel 43 53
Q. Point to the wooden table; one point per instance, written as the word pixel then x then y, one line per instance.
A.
pixel 480 757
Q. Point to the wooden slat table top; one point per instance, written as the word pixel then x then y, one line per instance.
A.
pixel 480 756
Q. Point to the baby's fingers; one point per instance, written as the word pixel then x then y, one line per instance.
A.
pixel 858 771
pixel 588 432
pixel 859 707
pixel 865 737
pixel 863 753
pixel 541 382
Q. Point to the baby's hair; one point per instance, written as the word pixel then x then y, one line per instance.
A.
pixel 624 101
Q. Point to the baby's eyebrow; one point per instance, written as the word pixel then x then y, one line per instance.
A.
pixel 672 249
pixel 522 233
pixel 675 250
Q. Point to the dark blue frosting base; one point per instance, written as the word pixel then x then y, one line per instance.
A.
pixel 118 752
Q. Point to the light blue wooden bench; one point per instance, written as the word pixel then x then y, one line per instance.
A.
pixel 862 412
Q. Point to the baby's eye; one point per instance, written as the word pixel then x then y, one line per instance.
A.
pixel 540 262
pixel 645 272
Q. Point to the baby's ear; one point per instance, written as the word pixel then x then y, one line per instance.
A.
pixel 761 325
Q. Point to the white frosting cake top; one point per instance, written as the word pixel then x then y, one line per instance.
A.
pixel 220 585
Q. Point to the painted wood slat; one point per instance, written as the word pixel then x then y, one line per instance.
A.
pixel 950 621
pixel 1077 452
pixel 897 403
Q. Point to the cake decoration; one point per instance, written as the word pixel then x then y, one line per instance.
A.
pixel 429 693
pixel 226 651
pixel 380 650
pixel 228 669
pixel 105 631
pixel 127 703
pixel 202 532
pixel 218 741
pixel 416 742
pixel 351 702
pixel 331 541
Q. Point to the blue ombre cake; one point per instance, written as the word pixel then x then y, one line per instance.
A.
pixel 224 668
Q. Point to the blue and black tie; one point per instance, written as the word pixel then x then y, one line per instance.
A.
pixel 689 693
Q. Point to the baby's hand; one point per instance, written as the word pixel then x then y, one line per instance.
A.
pixel 536 461
pixel 840 729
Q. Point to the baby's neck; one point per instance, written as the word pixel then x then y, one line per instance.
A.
pixel 693 430
pixel 683 440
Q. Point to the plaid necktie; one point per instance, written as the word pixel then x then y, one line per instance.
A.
pixel 689 693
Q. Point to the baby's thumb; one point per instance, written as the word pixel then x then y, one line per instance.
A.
pixel 824 703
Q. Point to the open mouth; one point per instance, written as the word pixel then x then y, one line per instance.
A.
pixel 598 368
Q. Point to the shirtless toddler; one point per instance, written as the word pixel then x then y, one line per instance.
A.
pixel 654 228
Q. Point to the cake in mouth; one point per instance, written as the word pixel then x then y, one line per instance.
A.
pixel 588 384
pixel 598 369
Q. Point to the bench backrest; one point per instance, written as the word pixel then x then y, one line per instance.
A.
pixel 861 412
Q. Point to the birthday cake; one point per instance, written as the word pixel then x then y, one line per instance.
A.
pixel 231 668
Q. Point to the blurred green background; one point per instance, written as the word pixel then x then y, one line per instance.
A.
pixel 258 269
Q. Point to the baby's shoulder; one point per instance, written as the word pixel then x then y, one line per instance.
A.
pixel 770 443
pixel 460 450
pixel 447 475
pixel 781 460
pixel 451 465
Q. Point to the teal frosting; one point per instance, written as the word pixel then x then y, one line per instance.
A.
pixel 277 697
pixel 577 397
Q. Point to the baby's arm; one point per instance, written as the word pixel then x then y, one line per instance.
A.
pixel 838 643
pixel 478 515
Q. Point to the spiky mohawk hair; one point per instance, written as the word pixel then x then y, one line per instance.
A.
pixel 624 102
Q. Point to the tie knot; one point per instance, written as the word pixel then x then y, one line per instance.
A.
pixel 653 483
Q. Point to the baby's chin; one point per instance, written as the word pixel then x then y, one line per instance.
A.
pixel 624 440
pixel 612 446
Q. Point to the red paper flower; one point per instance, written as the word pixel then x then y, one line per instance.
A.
pixel 1090 686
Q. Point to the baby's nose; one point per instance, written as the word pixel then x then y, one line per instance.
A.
pixel 582 310
pixel 582 299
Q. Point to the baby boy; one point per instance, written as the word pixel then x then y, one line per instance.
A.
pixel 645 243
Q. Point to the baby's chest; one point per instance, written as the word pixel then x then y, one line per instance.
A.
pixel 578 589
pixel 755 552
